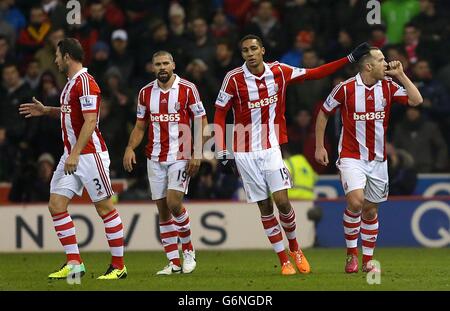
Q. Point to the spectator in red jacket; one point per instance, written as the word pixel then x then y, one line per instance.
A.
pixel 32 38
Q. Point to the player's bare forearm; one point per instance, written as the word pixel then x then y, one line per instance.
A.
pixel 321 124
pixel 54 112
pixel 89 125
pixel 414 96
pixel 37 109
pixel 137 134
pixel 321 154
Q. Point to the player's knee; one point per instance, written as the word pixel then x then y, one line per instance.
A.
pixel 56 207
pixel 369 213
pixel 175 207
pixel 283 205
pixel 356 203
pixel 104 207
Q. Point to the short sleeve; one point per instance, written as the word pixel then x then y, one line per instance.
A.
pixel 226 93
pixel 195 104
pixel 334 100
pixel 89 94
pixel 399 94
pixel 141 110
pixel 290 73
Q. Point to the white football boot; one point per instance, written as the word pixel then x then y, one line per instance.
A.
pixel 189 262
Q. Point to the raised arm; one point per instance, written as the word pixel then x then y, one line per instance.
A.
pixel 330 68
pixel 396 70
pixel 326 69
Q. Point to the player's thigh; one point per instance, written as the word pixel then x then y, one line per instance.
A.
pixel 157 178
pixel 352 174
pixel 178 179
pixel 276 173
pixel 253 178
pixel 377 188
pixel 93 170
pixel 63 184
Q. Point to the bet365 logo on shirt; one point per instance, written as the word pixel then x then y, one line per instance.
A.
pixel 66 109
pixel 165 117
pixel 263 102
pixel 368 116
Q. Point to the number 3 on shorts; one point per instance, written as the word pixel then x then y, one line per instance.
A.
pixel 97 184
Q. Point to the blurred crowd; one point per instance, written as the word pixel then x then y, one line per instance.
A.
pixel 119 38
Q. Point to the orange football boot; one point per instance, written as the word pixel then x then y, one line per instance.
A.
pixel 300 261
pixel 288 269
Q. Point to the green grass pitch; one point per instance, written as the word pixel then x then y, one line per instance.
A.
pixel 402 269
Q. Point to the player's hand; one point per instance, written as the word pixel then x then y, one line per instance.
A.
pixel 359 52
pixel 321 156
pixel 70 166
pixel 129 159
pixel 193 167
pixel 395 68
pixel 34 109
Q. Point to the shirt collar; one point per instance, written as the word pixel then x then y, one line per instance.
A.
pixel 82 70
pixel 359 81
pixel 174 85
pixel 248 74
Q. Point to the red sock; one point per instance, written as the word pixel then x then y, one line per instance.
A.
pixel 114 235
pixel 65 230
pixel 183 227
pixel 169 239
pixel 273 232
pixel 369 234
pixel 352 223
pixel 288 223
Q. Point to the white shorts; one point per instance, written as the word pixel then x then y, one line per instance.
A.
pixel 92 173
pixel 167 175
pixel 371 176
pixel 263 172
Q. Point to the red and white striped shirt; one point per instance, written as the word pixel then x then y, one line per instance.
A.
pixel 258 105
pixel 365 116
pixel 169 114
pixel 81 94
